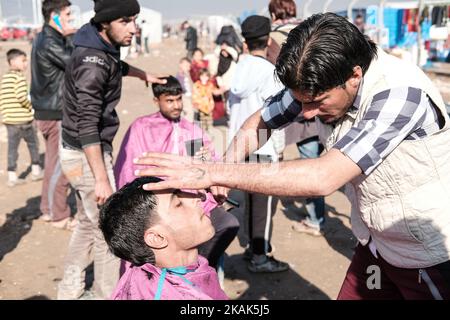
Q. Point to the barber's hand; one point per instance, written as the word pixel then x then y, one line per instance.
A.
pixel 153 79
pixel 220 194
pixel 179 172
pixel 103 191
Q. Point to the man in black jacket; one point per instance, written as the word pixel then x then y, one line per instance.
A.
pixel 93 83
pixel 50 54
pixel 191 38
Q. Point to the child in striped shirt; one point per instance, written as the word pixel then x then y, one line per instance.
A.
pixel 18 115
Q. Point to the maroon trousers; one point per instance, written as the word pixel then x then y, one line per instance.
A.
pixel 394 283
pixel 55 184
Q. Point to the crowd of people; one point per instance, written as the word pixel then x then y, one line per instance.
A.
pixel 156 221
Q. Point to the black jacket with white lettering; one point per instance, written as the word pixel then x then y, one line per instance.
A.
pixel 93 84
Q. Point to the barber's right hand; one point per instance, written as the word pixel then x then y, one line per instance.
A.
pixel 103 191
pixel 220 193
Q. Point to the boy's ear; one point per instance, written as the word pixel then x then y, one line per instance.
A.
pixel 155 238
pixel 156 101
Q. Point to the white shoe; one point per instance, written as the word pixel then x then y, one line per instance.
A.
pixel 13 183
pixel 37 177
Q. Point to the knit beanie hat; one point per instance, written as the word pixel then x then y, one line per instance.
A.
pixel 110 10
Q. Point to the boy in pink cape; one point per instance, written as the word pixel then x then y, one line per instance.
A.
pixel 157 233
pixel 166 131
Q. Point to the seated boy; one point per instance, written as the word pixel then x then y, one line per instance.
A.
pixel 167 131
pixel 158 234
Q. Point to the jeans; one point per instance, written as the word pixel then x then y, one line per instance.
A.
pixel 17 132
pixel 259 210
pixel 55 185
pixel 146 41
pixel 87 243
pixel 315 207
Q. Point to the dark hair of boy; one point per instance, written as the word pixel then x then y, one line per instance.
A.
pixel 321 52
pixel 257 43
pixel 49 6
pixel 171 88
pixel 125 217
pixel 14 53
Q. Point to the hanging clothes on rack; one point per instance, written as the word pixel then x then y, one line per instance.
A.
pixel 438 14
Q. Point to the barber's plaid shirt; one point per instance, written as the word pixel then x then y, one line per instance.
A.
pixel 394 115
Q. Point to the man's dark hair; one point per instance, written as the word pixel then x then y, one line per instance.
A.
pixel 14 53
pixel 321 52
pixel 125 217
pixel 259 43
pixel 171 88
pixel 49 6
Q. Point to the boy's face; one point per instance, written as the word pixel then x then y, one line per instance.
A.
pixel 19 63
pixel 182 217
pixel 170 106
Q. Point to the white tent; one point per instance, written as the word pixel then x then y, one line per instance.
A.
pixel 154 20
pixel 152 17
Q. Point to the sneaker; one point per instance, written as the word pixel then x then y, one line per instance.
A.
pixel 248 253
pixel 13 183
pixel 37 177
pixel 263 263
pixel 304 227
pixel 45 217
pixel 65 224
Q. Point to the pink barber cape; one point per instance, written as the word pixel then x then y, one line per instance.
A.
pixel 147 282
pixel 155 133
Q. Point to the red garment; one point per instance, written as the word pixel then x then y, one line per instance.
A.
pixel 195 69
pixel 219 103
pixel 395 283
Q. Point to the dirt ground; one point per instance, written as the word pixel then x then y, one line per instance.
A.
pixel 32 251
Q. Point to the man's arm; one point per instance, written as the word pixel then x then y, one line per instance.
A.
pixel 308 177
pixel 246 141
pixel 57 54
pixel 277 112
pixel 141 74
pixel 303 177
pixel 103 187
pixel 90 79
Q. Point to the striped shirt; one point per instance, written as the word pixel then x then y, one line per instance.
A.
pixel 15 106
pixel 394 115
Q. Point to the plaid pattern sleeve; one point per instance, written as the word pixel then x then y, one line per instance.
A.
pixel 280 110
pixel 394 115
